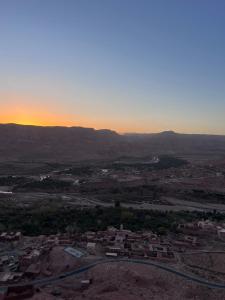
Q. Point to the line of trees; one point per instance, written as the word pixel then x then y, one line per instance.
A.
pixel 51 220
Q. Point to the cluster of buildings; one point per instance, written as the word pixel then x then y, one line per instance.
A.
pixel 204 228
pixel 10 237
pixel 22 258
pixel 25 261
pixel 125 243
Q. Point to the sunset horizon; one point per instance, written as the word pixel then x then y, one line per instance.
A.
pixel 112 149
pixel 123 65
pixel 76 125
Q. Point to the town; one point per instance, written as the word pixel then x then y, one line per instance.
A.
pixel 25 260
pixel 63 225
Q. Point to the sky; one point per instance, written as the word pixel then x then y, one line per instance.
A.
pixel 126 65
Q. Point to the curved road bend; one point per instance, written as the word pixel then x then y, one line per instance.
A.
pixel 202 252
pixel 199 280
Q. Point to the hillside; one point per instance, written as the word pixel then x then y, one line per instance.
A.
pixel 36 143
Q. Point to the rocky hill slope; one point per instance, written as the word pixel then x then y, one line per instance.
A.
pixel 36 143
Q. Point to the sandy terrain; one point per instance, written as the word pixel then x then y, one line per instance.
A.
pixel 123 281
pixel 208 265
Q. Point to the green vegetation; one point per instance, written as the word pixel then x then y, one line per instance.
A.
pixel 79 171
pixel 12 180
pixel 204 196
pixel 52 219
pixel 150 193
pixel 166 162
pixel 47 184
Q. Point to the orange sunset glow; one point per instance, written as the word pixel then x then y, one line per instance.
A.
pixel 26 116
pixel 44 118
pixel 25 109
pixel 35 116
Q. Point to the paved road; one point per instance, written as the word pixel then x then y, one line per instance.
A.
pixel 50 280
pixel 202 252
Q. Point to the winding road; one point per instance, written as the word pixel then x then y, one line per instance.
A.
pixel 50 280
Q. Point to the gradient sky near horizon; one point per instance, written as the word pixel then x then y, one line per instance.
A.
pixel 127 65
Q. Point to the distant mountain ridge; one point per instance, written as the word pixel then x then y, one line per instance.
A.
pixel 37 143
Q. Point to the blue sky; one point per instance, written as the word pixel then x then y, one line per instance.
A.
pixel 128 65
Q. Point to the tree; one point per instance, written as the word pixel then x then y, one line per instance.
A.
pixel 117 204
pixel 72 228
pixel 2 227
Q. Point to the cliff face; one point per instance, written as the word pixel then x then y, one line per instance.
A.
pixel 174 143
pixel 56 143
pixel 37 143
